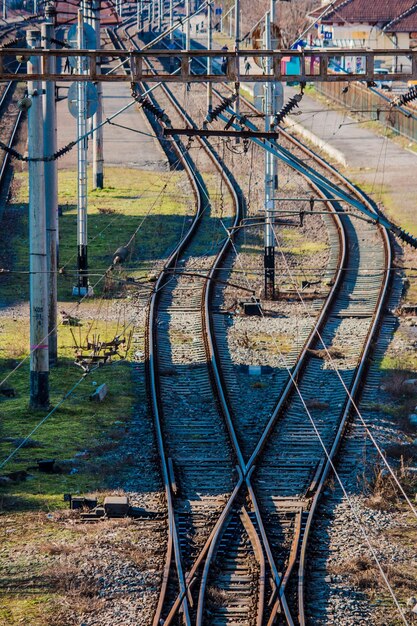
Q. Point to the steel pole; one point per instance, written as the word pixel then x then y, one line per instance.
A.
pixel 209 59
pixel 98 157
pixel 160 15
pixel 187 26
pixel 269 251
pixel 39 349
pixel 51 190
pixel 171 19
pixel 82 288
pixel 151 25
pixel 137 16
pixel 237 45
pixel 4 10
pixel 274 18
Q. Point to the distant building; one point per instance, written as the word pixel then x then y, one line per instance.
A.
pixel 366 23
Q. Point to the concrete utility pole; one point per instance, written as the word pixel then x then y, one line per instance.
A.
pixel 269 251
pixel 98 158
pixel 39 351
pixel 209 59
pixel 51 186
pixel 82 286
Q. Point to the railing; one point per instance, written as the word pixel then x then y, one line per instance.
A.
pixel 369 105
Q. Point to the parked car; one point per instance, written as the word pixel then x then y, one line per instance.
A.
pixel 384 83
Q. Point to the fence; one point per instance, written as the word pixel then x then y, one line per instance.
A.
pixel 369 105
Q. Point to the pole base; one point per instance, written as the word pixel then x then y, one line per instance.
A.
pixel 39 390
pixel 98 181
pixel 82 292
pixel 269 265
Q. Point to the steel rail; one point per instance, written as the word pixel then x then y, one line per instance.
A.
pixel 326 467
pixel 212 355
pixel 218 383
pixel 208 341
pixel 354 393
pixel 250 464
pixel 153 382
pixel 210 351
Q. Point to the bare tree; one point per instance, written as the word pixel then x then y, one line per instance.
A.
pixel 292 17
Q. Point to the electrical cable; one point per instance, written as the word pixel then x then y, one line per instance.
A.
pixel 317 433
pixel 349 395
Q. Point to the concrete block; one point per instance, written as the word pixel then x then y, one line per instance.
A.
pixel 116 506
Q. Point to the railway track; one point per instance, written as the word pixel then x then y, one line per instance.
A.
pixel 10 116
pixel 197 459
pixel 242 492
pixel 253 562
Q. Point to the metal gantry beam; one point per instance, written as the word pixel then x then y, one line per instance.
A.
pixel 287 65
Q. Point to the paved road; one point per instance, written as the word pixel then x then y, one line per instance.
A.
pixel 373 160
pixel 122 148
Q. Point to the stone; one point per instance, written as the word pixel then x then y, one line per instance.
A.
pixel 413 419
pixel 116 506
pixel 100 393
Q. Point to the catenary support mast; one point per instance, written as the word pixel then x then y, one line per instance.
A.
pixel 82 287
pixel 269 250
pixel 98 158
pixel 51 186
pixel 39 349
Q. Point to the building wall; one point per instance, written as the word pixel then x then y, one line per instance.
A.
pixel 370 36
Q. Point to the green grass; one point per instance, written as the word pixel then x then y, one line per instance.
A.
pixel 294 242
pixel 114 213
pixel 78 426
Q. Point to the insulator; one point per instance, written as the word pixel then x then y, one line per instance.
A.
pixel 410 239
pixel 288 107
pixel 214 114
pixel 405 97
pixel 156 111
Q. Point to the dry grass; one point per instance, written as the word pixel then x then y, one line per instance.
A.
pixel 382 491
pixel 334 353
pixel 395 385
pixel 218 596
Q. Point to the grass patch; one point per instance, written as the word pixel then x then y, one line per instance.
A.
pixel 114 213
pixel 294 242
pixel 76 435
